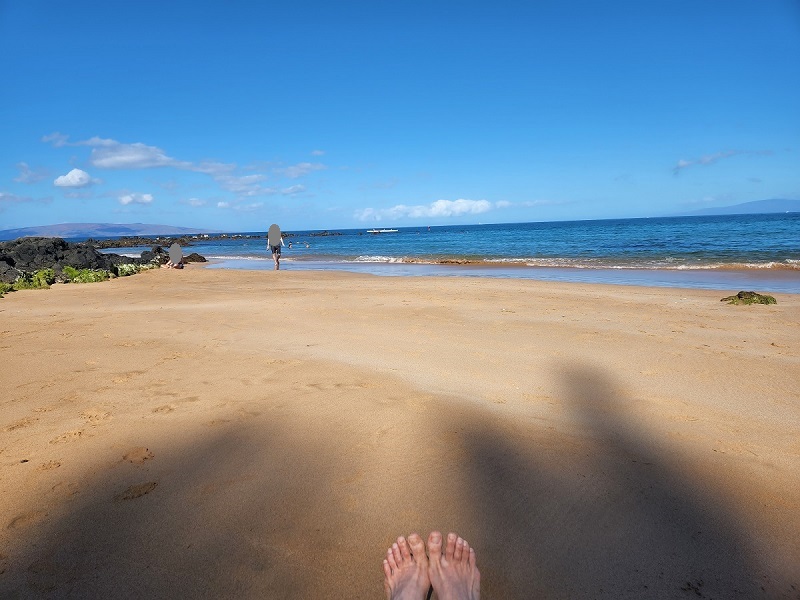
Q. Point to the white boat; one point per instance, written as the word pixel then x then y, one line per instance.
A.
pixel 381 230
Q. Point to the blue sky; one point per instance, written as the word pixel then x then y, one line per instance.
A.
pixel 317 115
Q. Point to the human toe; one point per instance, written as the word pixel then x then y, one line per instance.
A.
pixel 435 546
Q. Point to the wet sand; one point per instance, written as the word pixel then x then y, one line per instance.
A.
pixel 239 434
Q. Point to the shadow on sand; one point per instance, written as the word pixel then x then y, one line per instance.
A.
pixel 608 517
pixel 594 515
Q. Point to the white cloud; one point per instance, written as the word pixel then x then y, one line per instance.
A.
pixel 132 156
pixel 56 139
pixel 294 189
pixel 246 185
pixel 241 207
pixel 111 154
pixel 710 159
pixel 135 198
pixel 210 167
pixel 439 208
pixel 75 179
pixel 301 169
pixel 28 175
pixel 196 202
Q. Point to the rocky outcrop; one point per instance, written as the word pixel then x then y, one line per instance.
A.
pixel 749 298
pixel 160 256
pixel 27 255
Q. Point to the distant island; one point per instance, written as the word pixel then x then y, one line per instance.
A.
pixel 98 230
pixel 136 230
pixel 751 208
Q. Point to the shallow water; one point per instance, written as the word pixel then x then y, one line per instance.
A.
pixel 760 252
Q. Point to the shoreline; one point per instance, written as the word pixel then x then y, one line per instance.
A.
pixel 782 281
pixel 259 434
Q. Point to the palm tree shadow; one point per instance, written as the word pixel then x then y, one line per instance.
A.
pixel 602 514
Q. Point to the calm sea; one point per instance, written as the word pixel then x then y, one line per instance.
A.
pixel 732 252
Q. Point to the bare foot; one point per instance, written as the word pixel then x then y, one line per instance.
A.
pixel 406 570
pixel 454 574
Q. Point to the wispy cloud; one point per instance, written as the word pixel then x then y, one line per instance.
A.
pixel 710 159
pixel 439 208
pixel 28 175
pixel 239 207
pixel 195 202
pixel 76 178
pixel 133 156
pixel 114 155
pixel 111 154
pixel 292 190
pixel 6 198
pixel 245 185
pixel 301 169
pixel 56 139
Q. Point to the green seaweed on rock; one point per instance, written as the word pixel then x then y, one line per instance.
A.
pixel 749 298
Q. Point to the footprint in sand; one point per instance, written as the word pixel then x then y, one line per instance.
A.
pixel 167 408
pixel 25 519
pixel 138 456
pixel 136 491
pixel 49 466
pixel 125 377
pixel 69 436
pixel 95 416
pixel 20 424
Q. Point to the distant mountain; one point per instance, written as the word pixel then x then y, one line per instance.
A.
pixel 752 208
pixel 97 230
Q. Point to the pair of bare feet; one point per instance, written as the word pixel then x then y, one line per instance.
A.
pixel 451 571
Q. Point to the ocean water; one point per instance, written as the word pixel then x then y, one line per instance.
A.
pixel 731 252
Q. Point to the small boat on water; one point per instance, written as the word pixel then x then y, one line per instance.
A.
pixel 381 230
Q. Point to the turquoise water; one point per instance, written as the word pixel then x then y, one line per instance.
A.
pixel 714 252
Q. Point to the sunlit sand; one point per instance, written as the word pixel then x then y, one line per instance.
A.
pixel 219 433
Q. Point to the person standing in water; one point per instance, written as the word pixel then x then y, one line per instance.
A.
pixel 274 242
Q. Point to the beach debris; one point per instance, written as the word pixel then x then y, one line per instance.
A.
pixel 749 298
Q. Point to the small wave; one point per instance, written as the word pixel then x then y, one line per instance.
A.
pixel 668 264
pixel 380 259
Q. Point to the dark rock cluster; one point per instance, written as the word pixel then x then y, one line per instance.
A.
pixel 131 241
pixel 27 255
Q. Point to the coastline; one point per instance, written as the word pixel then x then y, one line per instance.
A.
pixel 253 433
pixel 766 280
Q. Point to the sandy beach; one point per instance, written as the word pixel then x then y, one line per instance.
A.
pixel 254 434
